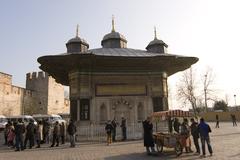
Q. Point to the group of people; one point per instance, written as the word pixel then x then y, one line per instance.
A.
pixel 197 131
pixel 111 127
pixel 18 135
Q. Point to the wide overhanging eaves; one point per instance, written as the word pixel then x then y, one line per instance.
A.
pixel 58 66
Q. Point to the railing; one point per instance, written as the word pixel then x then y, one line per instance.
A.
pixel 97 133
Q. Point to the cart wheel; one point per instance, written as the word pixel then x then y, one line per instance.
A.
pixel 159 146
pixel 178 149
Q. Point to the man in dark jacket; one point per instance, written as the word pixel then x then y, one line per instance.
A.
pixel 124 129
pixel 46 130
pixel 204 130
pixel 195 134
pixel 72 131
pixel 148 135
pixel 114 124
pixel 217 121
pixel 30 131
pixel 19 131
pixel 108 129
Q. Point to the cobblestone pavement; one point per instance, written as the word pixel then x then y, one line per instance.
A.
pixel 225 142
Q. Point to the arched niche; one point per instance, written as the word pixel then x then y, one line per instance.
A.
pixel 103 113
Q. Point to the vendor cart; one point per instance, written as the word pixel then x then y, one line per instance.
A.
pixel 169 139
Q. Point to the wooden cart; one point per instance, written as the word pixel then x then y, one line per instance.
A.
pixel 169 140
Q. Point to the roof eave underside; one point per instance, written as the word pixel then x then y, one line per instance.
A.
pixel 59 66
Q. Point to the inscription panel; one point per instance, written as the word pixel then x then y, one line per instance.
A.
pixel 120 89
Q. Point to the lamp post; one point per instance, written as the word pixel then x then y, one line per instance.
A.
pixel 235 101
pixel 205 92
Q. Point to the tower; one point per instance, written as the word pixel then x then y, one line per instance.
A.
pixel 48 95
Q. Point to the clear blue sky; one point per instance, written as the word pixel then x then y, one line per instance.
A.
pixel 208 29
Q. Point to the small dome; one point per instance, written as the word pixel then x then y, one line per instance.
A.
pixel 114 39
pixel 76 40
pixel 114 35
pixel 77 44
pixel 157 45
pixel 156 42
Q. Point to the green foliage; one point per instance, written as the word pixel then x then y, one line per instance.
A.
pixel 220 105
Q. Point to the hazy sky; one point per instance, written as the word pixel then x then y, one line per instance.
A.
pixel 208 29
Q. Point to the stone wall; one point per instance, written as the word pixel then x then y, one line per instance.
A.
pixel 223 116
pixel 41 96
pixel 116 95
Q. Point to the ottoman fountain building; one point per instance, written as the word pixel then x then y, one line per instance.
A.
pixel 115 81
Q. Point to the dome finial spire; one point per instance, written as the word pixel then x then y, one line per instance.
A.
pixel 113 24
pixel 155 33
pixel 77 30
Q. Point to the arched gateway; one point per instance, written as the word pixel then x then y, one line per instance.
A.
pixel 115 81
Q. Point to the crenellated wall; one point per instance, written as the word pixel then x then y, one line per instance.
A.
pixel 42 95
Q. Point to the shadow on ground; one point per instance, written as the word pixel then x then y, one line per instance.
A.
pixel 168 155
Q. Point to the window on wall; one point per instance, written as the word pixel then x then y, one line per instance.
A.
pixel 157 104
pixel 84 109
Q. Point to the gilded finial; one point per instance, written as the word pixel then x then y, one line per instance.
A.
pixel 155 33
pixel 77 30
pixel 113 25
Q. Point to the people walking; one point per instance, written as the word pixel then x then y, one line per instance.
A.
pixel 114 124
pixel 148 136
pixel 109 129
pixel 56 134
pixel 62 132
pixel 19 131
pixel 72 131
pixel 30 131
pixel 234 120
pixel 124 129
pixel 204 130
pixel 217 121
pixel 195 134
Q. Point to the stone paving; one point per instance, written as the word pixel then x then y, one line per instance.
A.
pixel 225 142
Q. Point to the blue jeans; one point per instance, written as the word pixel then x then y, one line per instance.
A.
pixel 72 140
pixel 19 142
pixel 207 140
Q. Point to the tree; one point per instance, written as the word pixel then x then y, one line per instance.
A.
pixel 189 91
pixel 220 105
pixel 208 80
pixel 186 89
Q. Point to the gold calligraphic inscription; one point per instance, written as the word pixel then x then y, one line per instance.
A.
pixel 120 89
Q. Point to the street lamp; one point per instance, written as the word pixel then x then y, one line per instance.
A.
pixel 235 101
pixel 205 92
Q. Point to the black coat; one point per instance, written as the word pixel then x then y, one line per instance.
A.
pixel 72 129
pixel 194 130
pixel 109 128
pixel 148 134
